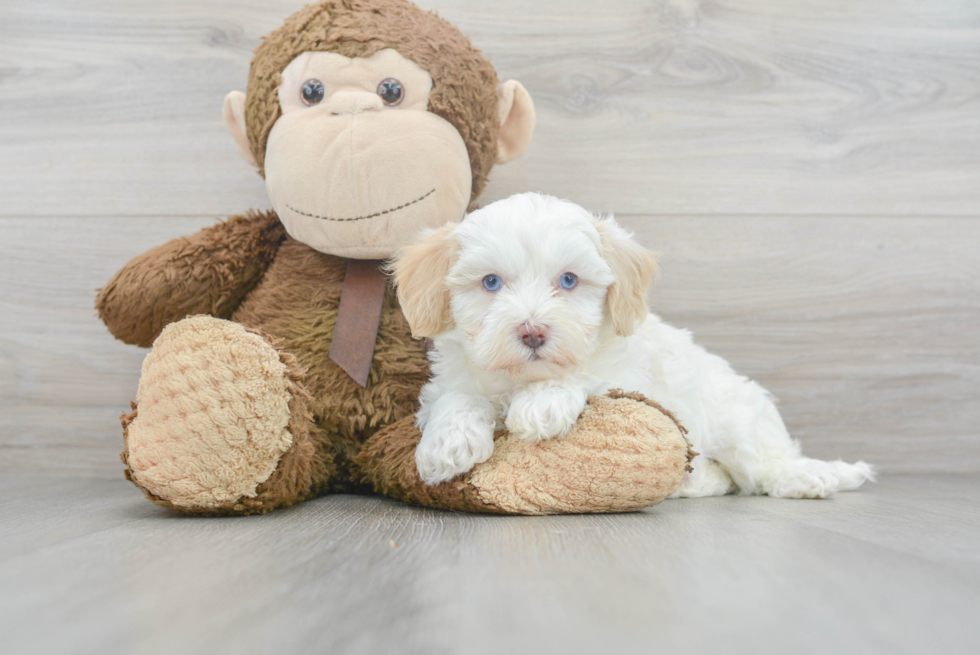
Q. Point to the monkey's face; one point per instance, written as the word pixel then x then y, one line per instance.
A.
pixel 357 165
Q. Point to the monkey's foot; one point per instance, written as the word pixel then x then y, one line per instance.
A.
pixel 624 453
pixel 220 424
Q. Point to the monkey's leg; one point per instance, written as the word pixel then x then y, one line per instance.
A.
pixel 221 424
pixel 624 454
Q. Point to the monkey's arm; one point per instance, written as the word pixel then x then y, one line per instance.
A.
pixel 206 273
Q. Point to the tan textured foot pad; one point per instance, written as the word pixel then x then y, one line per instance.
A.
pixel 211 418
pixel 624 454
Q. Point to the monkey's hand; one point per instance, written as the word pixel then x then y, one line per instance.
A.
pixel 206 273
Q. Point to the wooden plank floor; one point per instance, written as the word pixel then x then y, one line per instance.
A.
pixel 88 566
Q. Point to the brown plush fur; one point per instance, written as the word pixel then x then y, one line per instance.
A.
pixel 388 462
pixel 464 83
pixel 207 273
pixel 297 302
pixel 292 293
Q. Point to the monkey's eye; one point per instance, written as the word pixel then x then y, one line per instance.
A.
pixel 391 91
pixel 492 283
pixel 568 281
pixel 312 92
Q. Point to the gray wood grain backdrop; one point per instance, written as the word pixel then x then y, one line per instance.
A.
pixel 810 170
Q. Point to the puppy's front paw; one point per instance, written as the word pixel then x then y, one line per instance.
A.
pixel 545 411
pixel 451 448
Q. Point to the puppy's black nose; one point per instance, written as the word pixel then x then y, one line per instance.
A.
pixel 532 340
pixel 533 336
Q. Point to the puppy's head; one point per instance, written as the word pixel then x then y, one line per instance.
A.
pixel 529 281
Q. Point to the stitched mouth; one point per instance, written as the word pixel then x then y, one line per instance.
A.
pixel 361 218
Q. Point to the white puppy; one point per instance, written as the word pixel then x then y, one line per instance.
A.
pixel 533 305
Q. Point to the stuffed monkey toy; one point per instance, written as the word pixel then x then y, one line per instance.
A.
pixel 281 365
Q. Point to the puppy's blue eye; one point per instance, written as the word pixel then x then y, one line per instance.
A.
pixel 568 281
pixel 492 283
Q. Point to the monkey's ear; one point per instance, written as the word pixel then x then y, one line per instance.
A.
pixel 419 272
pixel 634 268
pixel 516 120
pixel 233 112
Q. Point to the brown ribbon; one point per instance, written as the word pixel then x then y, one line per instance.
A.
pixel 358 317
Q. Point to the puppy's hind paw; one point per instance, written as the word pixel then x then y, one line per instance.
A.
pixel 813 478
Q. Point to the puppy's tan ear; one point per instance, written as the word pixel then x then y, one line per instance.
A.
pixel 634 267
pixel 420 271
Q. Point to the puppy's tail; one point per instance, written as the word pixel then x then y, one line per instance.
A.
pixel 854 475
